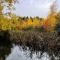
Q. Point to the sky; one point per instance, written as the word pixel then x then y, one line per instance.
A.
pixel 34 7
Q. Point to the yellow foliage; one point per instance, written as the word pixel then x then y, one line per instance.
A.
pixel 19 24
pixel 29 22
pixel 51 21
pixel 36 23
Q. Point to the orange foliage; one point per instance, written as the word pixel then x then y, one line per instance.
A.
pixel 45 24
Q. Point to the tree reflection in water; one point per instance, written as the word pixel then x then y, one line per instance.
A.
pixel 49 43
pixel 5 45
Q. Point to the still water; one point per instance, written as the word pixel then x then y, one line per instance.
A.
pixel 17 53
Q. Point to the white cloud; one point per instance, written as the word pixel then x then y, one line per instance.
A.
pixel 33 7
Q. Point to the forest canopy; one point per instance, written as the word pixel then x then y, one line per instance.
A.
pixel 14 22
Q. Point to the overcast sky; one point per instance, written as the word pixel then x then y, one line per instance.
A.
pixel 34 7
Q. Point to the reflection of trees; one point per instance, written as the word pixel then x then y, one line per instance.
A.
pixel 4 51
pixel 36 41
pixel 5 45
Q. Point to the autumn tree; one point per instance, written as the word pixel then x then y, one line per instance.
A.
pixel 50 22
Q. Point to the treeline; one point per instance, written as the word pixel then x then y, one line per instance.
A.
pixel 11 21
pixel 51 23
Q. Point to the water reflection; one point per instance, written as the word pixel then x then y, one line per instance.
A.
pixel 17 53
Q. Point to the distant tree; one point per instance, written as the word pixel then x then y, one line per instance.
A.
pixel 53 7
pixel 51 20
pixel 31 19
pixel 27 17
pixel 37 17
pixel 41 18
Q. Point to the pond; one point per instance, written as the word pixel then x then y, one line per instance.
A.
pixel 17 53
pixel 29 46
